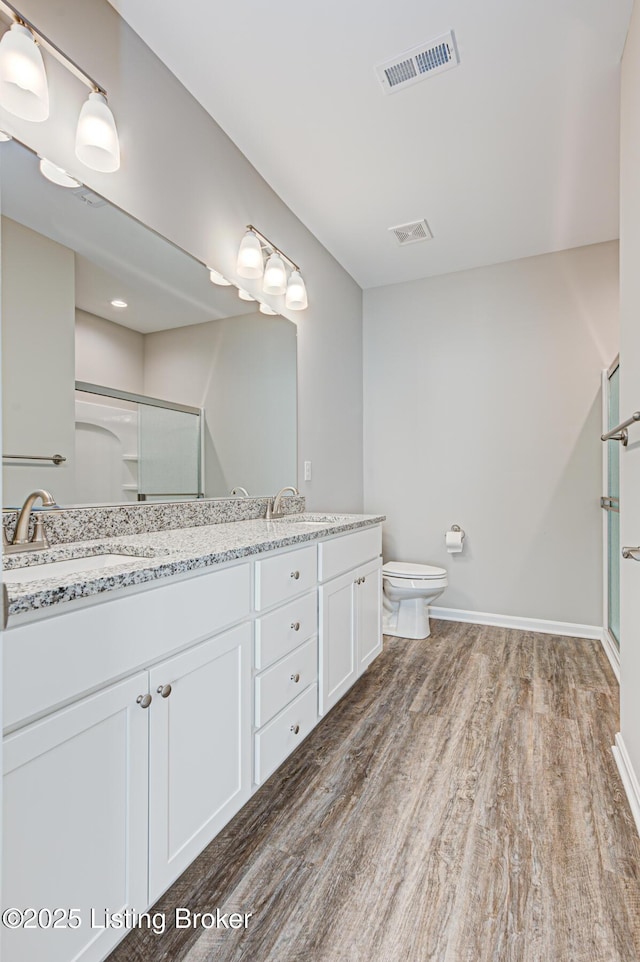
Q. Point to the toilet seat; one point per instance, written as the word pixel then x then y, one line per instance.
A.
pixel 413 572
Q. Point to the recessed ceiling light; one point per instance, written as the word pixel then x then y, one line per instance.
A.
pixel 118 303
pixel 57 175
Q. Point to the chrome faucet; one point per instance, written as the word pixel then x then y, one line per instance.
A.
pixel 273 507
pixel 21 540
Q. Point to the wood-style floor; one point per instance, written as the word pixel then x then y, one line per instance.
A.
pixel 461 804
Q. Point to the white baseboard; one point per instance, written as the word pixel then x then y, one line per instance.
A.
pixel 628 776
pixel 523 624
pixel 612 653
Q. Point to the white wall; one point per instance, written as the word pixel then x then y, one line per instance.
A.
pixel 38 304
pixel 182 176
pixel 108 353
pixel 630 391
pixel 242 371
pixel 482 408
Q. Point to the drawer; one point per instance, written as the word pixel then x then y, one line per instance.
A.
pixel 277 686
pixel 342 554
pixel 279 738
pixel 278 633
pixel 285 576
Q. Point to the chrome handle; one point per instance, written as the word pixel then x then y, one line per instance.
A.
pixel 631 553
pixel 295 625
pixel 363 580
pixel 144 700
pixel 295 729
pixel 164 690
pixel 610 504
pixel 295 575
pixel 295 678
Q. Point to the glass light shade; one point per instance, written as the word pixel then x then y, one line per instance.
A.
pixel 265 309
pixel 56 174
pixel 97 143
pixel 218 279
pixel 4 137
pixel 275 275
pixel 296 299
pixel 24 91
pixel 250 263
pixel 244 296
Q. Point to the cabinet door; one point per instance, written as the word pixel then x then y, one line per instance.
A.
pixel 338 657
pixel 75 822
pixel 200 750
pixel 369 613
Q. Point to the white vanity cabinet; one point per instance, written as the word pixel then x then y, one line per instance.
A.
pixel 76 807
pixel 350 611
pixel 153 716
pixel 200 750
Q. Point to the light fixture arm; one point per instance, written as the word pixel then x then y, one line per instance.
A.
pixel 266 243
pixel 15 16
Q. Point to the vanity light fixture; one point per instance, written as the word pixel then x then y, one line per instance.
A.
pixel 117 302
pixel 218 279
pixel 57 175
pixel 254 246
pixel 265 309
pixel 24 91
pixel 244 295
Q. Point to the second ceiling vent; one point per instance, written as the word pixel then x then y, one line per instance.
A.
pixel 418 63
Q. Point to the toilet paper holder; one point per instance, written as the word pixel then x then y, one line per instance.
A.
pixel 456 527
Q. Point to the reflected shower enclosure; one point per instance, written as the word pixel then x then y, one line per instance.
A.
pixel 135 448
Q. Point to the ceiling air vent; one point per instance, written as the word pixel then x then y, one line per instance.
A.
pixel 419 62
pixel 417 230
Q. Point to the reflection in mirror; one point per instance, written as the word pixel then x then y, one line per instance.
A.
pixel 69 259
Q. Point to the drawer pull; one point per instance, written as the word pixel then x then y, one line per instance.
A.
pixel 164 690
pixel 363 580
pixel 295 729
pixel 295 575
pixel 295 625
pixel 296 677
pixel 144 700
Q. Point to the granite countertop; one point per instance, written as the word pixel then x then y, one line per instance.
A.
pixel 161 554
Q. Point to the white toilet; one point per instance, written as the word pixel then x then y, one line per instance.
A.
pixel 409 589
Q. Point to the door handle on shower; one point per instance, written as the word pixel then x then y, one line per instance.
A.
pixel 631 553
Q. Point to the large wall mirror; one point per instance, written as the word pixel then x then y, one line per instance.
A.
pixel 187 391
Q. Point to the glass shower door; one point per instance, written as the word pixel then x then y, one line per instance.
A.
pixel 611 502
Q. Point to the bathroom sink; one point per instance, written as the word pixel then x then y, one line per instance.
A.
pixel 71 566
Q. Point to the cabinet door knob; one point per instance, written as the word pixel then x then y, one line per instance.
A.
pixel 295 575
pixel 295 625
pixel 164 690
pixel 295 729
pixel 144 701
pixel 296 677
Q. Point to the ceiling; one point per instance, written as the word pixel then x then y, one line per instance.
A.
pixel 513 153
pixel 116 256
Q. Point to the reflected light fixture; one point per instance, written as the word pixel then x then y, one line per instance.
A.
pixel 118 302
pixel 24 90
pixel 218 279
pixel 4 137
pixel 250 264
pixel 265 309
pixel 57 175
pixel 254 247
pixel 244 295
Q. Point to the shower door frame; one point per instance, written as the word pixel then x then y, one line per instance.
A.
pixel 610 644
